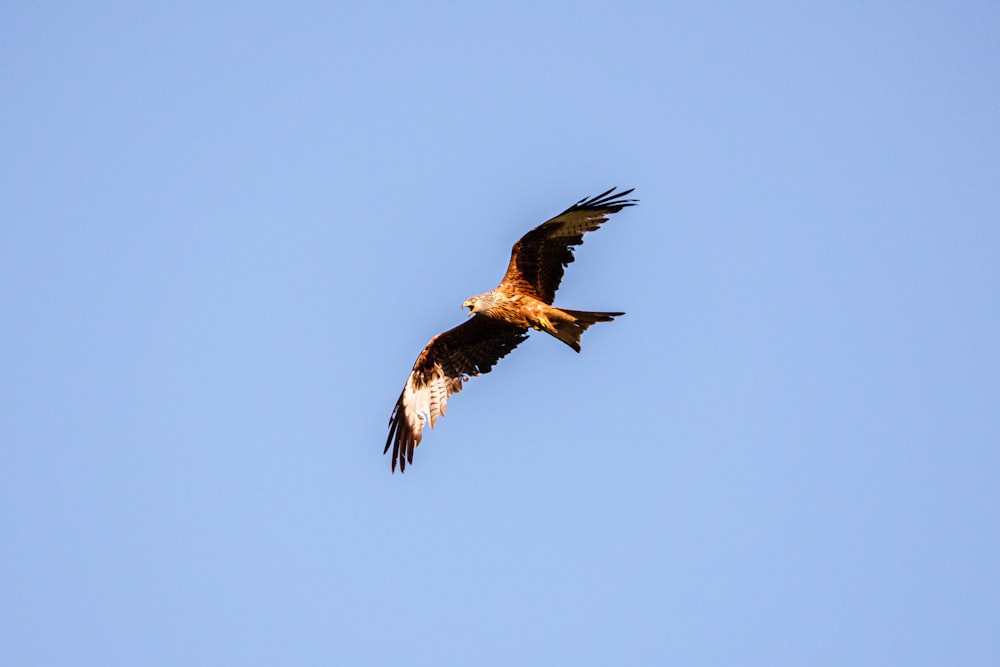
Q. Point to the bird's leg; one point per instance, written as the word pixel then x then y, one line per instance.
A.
pixel 544 324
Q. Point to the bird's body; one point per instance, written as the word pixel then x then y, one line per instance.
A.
pixel 500 320
pixel 529 312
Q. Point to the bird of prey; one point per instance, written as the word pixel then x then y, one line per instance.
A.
pixel 500 321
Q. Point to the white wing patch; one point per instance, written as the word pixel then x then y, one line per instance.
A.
pixel 429 401
pixel 590 222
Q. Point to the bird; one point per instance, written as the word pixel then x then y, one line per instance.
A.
pixel 499 321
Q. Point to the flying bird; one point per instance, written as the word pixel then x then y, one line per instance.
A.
pixel 500 320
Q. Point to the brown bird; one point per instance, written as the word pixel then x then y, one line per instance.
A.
pixel 500 321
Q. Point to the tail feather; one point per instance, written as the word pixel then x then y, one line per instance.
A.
pixel 569 330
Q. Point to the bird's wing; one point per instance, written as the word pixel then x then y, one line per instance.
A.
pixel 471 348
pixel 538 260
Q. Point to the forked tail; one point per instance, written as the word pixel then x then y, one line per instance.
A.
pixel 570 329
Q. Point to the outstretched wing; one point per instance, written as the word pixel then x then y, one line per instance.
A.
pixel 538 260
pixel 470 348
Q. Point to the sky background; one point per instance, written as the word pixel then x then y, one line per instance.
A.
pixel 228 229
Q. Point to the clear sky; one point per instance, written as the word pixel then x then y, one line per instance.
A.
pixel 227 230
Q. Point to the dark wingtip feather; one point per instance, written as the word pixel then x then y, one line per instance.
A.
pixel 608 199
pixel 396 435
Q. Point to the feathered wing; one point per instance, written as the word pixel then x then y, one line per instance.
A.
pixel 538 260
pixel 471 348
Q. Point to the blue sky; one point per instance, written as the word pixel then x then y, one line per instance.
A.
pixel 227 230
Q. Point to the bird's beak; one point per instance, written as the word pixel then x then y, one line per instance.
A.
pixel 468 304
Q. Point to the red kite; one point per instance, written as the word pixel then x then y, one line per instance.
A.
pixel 500 321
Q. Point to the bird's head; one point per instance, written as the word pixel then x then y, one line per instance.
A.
pixel 479 303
